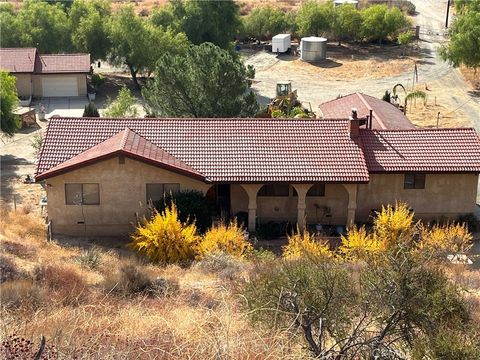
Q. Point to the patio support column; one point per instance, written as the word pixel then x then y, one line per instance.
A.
pixel 302 190
pixel 252 190
pixel 352 203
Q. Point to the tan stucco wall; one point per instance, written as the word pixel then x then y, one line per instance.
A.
pixel 122 196
pixel 445 195
pixel 81 82
pixel 24 84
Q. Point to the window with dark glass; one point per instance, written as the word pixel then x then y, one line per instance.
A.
pixel 317 190
pixel 155 192
pixel 414 181
pixel 277 189
pixel 82 194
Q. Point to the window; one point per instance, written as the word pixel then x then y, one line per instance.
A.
pixel 274 190
pixel 317 190
pixel 155 191
pixel 82 194
pixel 414 181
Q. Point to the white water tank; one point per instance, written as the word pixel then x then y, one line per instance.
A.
pixel 313 48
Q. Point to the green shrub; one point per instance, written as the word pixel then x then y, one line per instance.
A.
pixel 191 205
pixel 97 80
pixel 90 110
pixel 90 258
pixel 224 265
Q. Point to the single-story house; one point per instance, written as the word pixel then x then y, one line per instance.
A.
pixel 47 75
pixel 383 115
pixel 100 173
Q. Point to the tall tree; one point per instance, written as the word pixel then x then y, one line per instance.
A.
pixel 88 26
pixel 10 36
pixel 346 21
pixel 208 21
pixel 381 22
pixel 138 44
pixel 44 26
pixel 264 22
pixel 463 47
pixel 8 102
pixel 205 82
pixel 314 18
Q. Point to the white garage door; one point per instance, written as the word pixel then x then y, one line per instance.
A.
pixel 55 86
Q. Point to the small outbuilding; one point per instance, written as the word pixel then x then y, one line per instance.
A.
pixel 281 43
pixel 48 75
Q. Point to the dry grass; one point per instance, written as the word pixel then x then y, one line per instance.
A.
pixel 67 302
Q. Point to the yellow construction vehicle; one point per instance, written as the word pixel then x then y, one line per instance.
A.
pixel 286 103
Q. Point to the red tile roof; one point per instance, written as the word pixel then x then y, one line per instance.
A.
pixel 18 60
pixel 128 143
pixel 427 150
pixel 385 115
pixel 62 63
pixel 27 60
pixel 223 150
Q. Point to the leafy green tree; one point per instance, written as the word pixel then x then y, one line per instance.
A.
pixel 44 26
pixel 463 6
pixel 462 49
pixel 264 22
pixel 89 27
pixel 379 22
pixel 10 36
pixel 138 44
pixel 208 21
pixel 206 81
pixel 8 102
pixel 346 21
pixel 164 16
pixel 125 105
pixel 314 18
pixel 404 39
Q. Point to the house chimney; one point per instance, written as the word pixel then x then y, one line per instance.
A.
pixel 354 124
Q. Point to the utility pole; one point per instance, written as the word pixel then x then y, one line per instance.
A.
pixel 448 11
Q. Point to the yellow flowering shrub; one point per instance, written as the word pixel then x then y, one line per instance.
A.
pixel 392 223
pixel 358 242
pixel 450 238
pixel 165 239
pixel 304 244
pixel 224 238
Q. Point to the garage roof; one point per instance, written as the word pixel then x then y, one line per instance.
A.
pixel 28 60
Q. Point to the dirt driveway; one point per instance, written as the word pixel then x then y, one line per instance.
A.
pixel 372 70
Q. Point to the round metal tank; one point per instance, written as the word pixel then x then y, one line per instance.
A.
pixel 313 48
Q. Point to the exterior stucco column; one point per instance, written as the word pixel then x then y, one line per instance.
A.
pixel 352 203
pixel 302 190
pixel 252 190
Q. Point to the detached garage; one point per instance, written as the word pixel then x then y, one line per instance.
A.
pixel 50 75
pixel 53 86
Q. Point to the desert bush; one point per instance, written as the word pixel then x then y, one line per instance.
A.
pixel 36 142
pixel 20 250
pixel 20 293
pixel 90 110
pixel 165 238
pixel 130 280
pixel 90 258
pixel 8 270
pixel 65 282
pixel 261 254
pixel 302 244
pixel 191 205
pixel 22 225
pixel 223 238
pixel 225 266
